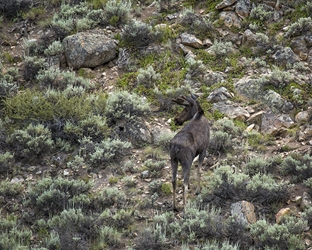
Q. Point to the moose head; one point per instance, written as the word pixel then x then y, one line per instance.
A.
pixel 191 108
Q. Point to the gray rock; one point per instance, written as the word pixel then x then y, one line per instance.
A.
pixel 218 95
pixel 230 18
pixel 232 110
pixel 298 45
pixel 242 8
pixel 211 78
pixel 225 3
pixel 89 49
pixel 245 212
pixel 191 40
pixel 285 56
pixel 272 123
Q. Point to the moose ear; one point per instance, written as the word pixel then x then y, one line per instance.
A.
pixel 181 101
pixel 194 97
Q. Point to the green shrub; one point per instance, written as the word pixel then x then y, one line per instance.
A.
pixel 77 163
pixel 32 143
pixel 10 189
pixel 13 235
pixel 121 220
pixel 6 162
pixel 155 186
pixel 53 108
pixel 73 227
pixel 32 66
pixel 302 26
pixel 155 167
pixel 169 224
pixel 31 47
pixel 53 242
pixel 195 69
pixel 163 140
pixel 56 48
pixel 102 153
pixel 215 245
pixel 108 197
pixel 109 237
pixel 198 223
pixel 278 79
pixel 259 14
pixel 12 9
pixel 72 18
pixel 256 165
pixel 117 12
pixel 93 127
pixel 220 49
pixel 226 125
pixel 264 189
pixel 276 236
pixel 138 34
pixel 227 184
pixel 197 24
pixel 51 196
pixel 260 165
pixel 219 142
pixel 299 168
pixel 125 107
pixel 148 77
pixel 129 181
pixel 62 80
pixel 8 82
pixel 151 238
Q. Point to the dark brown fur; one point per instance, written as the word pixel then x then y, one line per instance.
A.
pixel 192 140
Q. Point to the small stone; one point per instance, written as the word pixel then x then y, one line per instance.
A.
pixel 282 214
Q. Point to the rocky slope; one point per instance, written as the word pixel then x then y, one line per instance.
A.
pixel 103 180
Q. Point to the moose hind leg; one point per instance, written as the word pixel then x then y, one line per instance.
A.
pixel 200 164
pixel 174 166
pixel 186 180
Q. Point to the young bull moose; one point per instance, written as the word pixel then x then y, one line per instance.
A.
pixel 190 141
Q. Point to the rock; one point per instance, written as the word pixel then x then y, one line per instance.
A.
pixel 138 133
pixel 244 211
pixel 274 124
pixel 232 110
pixel 256 118
pixel 211 78
pixel 284 212
pixel 225 3
pixel 218 95
pixel 249 38
pixel 298 45
pixel 89 49
pixel 230 19
pixel 17 179
pixel 191 40
pixel 285 56
pixel 185 49
pixel 242 8
pixel 306 201
pixel 275 101
pixel 145 174
pixel 252 127
pixel 302 117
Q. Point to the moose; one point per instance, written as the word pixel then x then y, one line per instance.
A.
pixel 191 141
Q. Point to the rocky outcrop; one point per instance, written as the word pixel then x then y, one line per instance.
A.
pixel 89 49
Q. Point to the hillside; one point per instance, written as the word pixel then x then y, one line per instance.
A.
pixel 87 115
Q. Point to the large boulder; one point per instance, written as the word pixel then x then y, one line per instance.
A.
pixel 89 49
